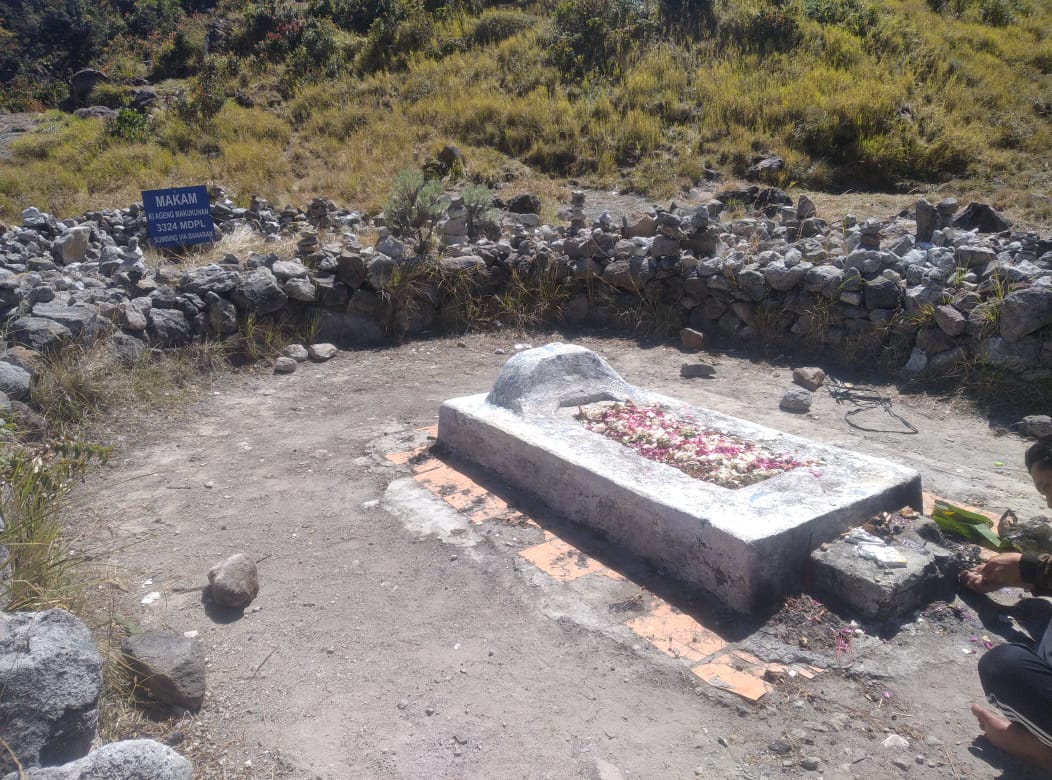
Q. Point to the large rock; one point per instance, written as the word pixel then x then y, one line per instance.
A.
pixel 134 759
pixel 209 278
pixel 50 680
pixel 796 400
pixel 783 278
pixel 950 320
pixel 82 319
pixel 983 217
pixel 235 582
pixel 1024 311
pixel 14 381
pixel 83 83
pixel 71 247
pixel 527 203
pixel 1036 425
pixel 171 667
pixel 809 377
pixel 882 293
pixel 258 292
pixel 128 350
pixel 220 314
pixel 1015 356
pixel 168 328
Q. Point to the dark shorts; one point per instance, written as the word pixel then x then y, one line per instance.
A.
pixel 1018 680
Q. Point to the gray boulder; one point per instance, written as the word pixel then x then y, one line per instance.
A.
pixel 14 381
pixel 297 352
pixel 321 352
pixel 950 320
pixel 134 759
pixel 220 314
pixel 82 319
pixel 285 365
pixel 168 328
pixel 703 369
pixel 301 289
pixel 132 314
pixel 796 400
pixel 783 278
pixel 171 667
pixel 1036 425
pixel 882 293
pixel 128 350
pixel 234 583
pixel 71 247
pixel 50 680
pixel 982 217
pixel 1024 311
pixel 973 256
pixel 288 269
pixel 258 292
pixel 209 278
pixel 1015 356
pixel 39 333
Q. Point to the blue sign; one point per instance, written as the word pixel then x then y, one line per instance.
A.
pixel 179 216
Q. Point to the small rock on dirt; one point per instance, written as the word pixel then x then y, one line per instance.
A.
pixel 895 742
pixel 692 339
pixel 322 352
pixel 284 365
pixel 779 747
pixel 796 400
pixel 234 582
pixel 169 666
pixel 297 352
pixel 809 377
pixel 695 370
pixel 809 763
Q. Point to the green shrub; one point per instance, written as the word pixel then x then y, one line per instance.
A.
pixel 414 206
pixel 496 25
pixel 402 28
pixel 858 16
pixel 690 18
pixel 110 95
pixel 482 218
pixel 597 35
pixel 131 126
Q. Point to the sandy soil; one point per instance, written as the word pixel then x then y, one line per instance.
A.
pixel 382 646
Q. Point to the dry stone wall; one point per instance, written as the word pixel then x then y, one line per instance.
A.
pixel 930 291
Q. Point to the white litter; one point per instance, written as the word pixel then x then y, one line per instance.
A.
pixel 151 597
pixel 884 556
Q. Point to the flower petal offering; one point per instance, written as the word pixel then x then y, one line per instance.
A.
pixel 658 434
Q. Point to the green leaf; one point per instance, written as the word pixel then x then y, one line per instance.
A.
pixel 972 526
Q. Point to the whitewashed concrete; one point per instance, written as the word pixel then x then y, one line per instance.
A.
pixel 747 546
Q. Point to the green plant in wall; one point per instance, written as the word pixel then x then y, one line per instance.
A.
pixel 482 218
pixel 414 207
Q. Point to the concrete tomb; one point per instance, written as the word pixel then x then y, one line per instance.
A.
pixel 747 545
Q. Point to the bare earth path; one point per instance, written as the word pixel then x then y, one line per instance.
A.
pixel 376 650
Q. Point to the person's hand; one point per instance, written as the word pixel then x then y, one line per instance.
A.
pixel 1001 571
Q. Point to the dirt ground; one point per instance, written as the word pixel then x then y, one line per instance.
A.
pixel 389 642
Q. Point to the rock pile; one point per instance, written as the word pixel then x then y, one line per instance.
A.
pixel 50 683
pixel 925 291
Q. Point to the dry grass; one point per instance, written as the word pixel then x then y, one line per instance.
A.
pixel 912 101
pixel 241 242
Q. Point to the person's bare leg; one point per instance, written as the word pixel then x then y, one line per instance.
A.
pixel 1013 738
